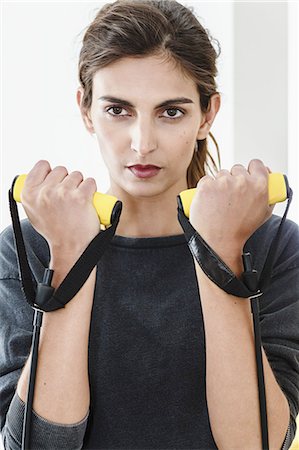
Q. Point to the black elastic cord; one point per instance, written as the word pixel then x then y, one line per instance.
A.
pixel 250 286
pixel 78 273
pixel 37 323
pixel 45 297
pixel 260 371
pixel 216 269
pixel 250 277
pixel 265 276
pixel 85 264
pixel 28 287
pixel 211 264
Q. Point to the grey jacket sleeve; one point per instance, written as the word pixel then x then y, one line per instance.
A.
pixel 279 312
pixel 45 434
pixel 15 341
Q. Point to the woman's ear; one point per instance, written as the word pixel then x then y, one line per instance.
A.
pixel 209 116
pixel 84 112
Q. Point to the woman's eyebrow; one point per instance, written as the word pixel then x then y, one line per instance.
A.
pixel 179 100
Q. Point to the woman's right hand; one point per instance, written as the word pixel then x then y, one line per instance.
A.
pixel 59 206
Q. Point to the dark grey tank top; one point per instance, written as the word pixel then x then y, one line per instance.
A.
pixel 147 349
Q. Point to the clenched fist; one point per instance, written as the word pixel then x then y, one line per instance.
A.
pixel 59 206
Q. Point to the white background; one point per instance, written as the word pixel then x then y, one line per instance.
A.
pixel 41 120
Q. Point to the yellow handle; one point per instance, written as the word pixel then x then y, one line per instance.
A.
pixel 103 203
pixel 277 188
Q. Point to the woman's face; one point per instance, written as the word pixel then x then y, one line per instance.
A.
pixel 145 111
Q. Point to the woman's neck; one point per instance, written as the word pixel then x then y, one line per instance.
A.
pixel 148 217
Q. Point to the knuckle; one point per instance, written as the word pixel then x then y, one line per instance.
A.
pixel 77 173
pixel 241 178
pixel 238 166
pixel 64 192
pixel 204 179
pixel 261 185
pixel 223 172
pixel 26 195
pixel 224 182
pixel 61 169
pixel 42 162
pixel 204 184
pixel 90 181
pixel 40 167
pixel 241 183
pixel 44 195
pixel 257 161
pixel 81 199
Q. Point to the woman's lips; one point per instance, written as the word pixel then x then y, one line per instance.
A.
pixel 144 171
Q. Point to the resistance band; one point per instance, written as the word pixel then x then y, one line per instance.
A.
pixel 251 285
pixel 43 297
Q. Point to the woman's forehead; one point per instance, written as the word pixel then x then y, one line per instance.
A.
pixel 147 76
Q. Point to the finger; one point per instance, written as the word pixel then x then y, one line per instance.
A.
pixel 74 179
pixel 223 173
pixel 57 175
pixel 259 174
pixel 38 173
pixel 205 179
pixel 89 186
pixel 238 169
pixel 257 167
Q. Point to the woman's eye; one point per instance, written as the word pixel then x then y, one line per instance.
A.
pixel 172 113
pixel 116 110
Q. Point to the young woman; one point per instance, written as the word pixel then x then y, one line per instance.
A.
pixel 150 354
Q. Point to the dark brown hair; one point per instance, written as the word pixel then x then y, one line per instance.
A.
pixel 146 27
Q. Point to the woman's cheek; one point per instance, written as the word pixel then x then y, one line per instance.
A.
pixel 186 147
pixel 107 139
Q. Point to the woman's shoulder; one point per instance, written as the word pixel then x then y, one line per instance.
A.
pixel 37 250
pixel 287 252
pixel 290 231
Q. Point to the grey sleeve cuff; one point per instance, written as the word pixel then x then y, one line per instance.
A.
pixel 290 435
pixel 44 434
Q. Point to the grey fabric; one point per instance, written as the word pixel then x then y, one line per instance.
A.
pixel 147 343
pixel 45 434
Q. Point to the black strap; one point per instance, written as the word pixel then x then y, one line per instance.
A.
pixel 28 286
pixel 81 270
pixel 251 286
pixel 216 269
pixel 45 297
pixel 211 264
pixel 265 276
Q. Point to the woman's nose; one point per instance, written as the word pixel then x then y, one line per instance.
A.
pixel 143 137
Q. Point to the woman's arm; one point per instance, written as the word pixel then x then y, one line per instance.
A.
pixel 59 207
pixel 62 387
pixel 226 211
pixel 231 379
pixel 49 429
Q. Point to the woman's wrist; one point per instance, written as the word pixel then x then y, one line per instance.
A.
pixel 231 254
pixel 61 263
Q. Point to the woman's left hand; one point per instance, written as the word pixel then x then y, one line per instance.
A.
pixel 227 209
